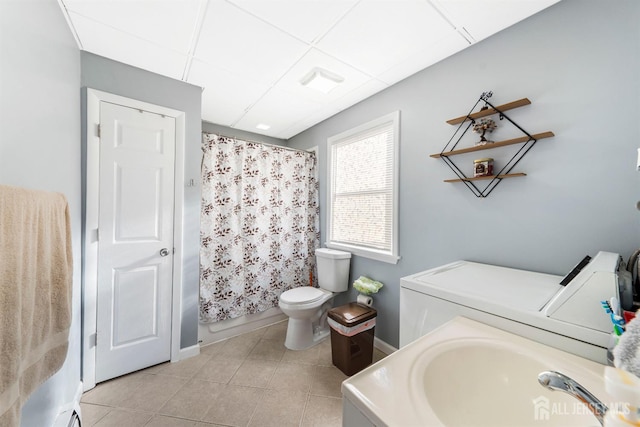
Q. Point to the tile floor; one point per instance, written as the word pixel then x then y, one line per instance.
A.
pixel 249 380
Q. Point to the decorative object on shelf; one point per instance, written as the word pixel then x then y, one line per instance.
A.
pixel 472 120
pixel 482 127
pixel 366 287
pixel 483 167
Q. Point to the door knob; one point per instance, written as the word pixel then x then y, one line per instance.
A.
pixel 164 252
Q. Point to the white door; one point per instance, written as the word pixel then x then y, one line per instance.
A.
pixel 135 240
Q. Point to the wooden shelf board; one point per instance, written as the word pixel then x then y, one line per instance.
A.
pixel 510 175
pixel 518 140
pixel 490 111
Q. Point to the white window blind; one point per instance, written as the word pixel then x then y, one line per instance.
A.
pixel 363 187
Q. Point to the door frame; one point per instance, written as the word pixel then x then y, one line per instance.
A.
pixel 91 190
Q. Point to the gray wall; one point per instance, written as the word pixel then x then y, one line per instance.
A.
pixel 40 146
pixel 581 186
pixel 120 79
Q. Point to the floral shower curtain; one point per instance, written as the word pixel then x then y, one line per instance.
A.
pixel 259 225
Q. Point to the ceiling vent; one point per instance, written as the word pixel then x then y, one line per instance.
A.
pixel 322 80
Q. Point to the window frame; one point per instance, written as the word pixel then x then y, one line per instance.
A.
pixel 391 256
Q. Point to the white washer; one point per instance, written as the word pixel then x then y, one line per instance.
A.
pixel 533 305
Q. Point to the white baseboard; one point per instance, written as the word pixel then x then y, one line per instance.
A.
pixel 383 346
pixel 188 352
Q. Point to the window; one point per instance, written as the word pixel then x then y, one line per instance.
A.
pixel 363 189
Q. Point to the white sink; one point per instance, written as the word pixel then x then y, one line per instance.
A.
pixel 469 374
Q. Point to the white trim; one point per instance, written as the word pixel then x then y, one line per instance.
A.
pixel 90 226
pixel 392 256
pixel 367 253
pixel 178 247
pixel 188 352
pixel 383 346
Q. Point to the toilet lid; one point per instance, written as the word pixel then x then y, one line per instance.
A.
pixel 301 295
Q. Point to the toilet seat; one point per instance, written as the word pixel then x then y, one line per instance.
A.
pixel 302 295
pixel 307 306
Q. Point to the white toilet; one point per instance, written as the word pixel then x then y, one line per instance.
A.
pixel 307 306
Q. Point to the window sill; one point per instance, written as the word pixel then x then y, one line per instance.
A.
pixel 365 253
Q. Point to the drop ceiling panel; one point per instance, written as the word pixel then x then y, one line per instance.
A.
pixel 377 34
pixel 484 18
pixel 217 112
pixel 371 87
pixel 447 46
pixel 167 23
pixel 290 109
pixel 312 17
pixel 105 41
pixel 243 44
pixel 250 55
pixel 226 97
pixel 368 89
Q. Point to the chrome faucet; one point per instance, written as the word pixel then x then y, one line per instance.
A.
pixel 557 381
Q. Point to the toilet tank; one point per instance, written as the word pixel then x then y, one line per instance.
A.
pixel 333 269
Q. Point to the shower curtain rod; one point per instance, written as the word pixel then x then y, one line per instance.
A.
pixel 259 142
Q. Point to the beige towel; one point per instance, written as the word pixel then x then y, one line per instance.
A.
pixel 35 293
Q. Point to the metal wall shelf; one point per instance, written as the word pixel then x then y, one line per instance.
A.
pixel 449 150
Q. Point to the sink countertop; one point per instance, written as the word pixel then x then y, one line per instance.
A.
pixel 388 392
